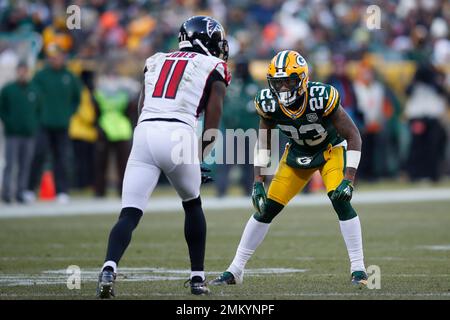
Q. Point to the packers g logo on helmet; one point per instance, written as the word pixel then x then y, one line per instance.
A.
pixel 288 76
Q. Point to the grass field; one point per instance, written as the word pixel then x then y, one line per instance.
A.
pixel 409 242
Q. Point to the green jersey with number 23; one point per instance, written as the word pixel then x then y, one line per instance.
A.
pixel 308 125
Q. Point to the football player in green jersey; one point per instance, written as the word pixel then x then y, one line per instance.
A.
pixel 321 137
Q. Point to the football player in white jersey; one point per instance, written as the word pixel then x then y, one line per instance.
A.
pixel 178 87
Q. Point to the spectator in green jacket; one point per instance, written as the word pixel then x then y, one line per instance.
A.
pixel 61 93
pixel 19 112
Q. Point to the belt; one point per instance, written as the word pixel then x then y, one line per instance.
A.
pixel 165 119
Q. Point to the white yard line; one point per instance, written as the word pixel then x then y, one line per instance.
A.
pixel 444 247
pixel 179 271
pixel 79 207
pixel 59 277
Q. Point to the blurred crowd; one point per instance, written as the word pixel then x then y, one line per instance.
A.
pixel 409 29
pixel 68 97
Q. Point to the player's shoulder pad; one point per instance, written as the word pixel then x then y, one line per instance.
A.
pixel 323 96
pixel 265 103
pixel 152 59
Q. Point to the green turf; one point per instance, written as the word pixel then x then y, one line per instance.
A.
pixel 300 238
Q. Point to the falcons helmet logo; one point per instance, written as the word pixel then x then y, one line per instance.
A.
pixel 212 26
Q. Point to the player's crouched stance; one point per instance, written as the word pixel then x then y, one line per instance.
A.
pixel 322 137
pixel 177 88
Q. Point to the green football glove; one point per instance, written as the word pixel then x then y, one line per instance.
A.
pixel 259 196
pixel 344 191
pixel 205 177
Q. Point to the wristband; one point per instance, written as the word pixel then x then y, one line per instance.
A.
pixel 261 157
pixel 353 158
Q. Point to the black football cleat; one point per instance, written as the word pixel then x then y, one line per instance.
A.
pixel 105 287
pixel 226 278
pixel 359 278
pixel 198 286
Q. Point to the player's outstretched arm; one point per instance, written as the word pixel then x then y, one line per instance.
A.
pixel 261 160
pixel 348 130
pixel 263 149
pixel 213 114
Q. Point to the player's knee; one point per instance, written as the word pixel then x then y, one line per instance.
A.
pixel 134 200
pixel 188 196
pixel 343 209
pixel 270 211
pixel 188 192
pixel 130 216
pixel 192 204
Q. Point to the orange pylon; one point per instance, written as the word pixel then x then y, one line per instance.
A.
pixel 316 183
pixel 47 188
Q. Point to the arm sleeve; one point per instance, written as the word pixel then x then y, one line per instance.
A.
pixel 259 111
pixel 334 100
pixel 222 70
pixel 213 76
pixel 262 114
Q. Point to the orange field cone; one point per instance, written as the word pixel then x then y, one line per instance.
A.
pixel 47 189
pixel 316 182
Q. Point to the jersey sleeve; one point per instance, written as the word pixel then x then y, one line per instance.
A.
pixel 152 61
pixel 222 70
pixel 333 102
pixel 260 101
pixel 259 111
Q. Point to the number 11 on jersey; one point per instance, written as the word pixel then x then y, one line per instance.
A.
pixel 175 78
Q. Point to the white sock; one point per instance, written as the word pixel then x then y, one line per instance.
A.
pixel 199 274
pixel 111 264
pixel 351 231
pixel 252 237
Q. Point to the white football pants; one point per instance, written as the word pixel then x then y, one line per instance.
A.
pixel 161 146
